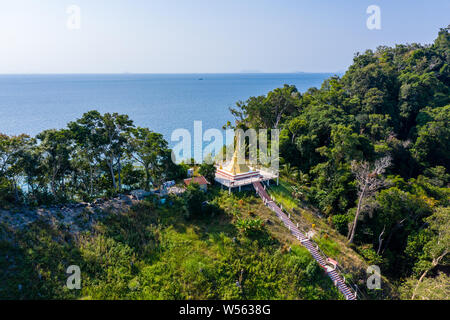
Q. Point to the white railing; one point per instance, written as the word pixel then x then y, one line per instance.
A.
pixel 313 248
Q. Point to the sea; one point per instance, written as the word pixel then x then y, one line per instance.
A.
pixel 162 102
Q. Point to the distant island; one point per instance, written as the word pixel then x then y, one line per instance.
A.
pixel 250 71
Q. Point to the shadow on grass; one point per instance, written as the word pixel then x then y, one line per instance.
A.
pixel 34 262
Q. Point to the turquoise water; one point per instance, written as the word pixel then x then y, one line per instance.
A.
pixel 32 103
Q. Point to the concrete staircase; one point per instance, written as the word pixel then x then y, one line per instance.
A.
pixel 307 243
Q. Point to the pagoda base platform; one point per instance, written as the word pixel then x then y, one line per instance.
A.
pixel 240 180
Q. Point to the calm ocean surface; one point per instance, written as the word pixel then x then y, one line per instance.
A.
pixel 32 103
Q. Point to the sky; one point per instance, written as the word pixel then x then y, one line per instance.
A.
pixel 205 36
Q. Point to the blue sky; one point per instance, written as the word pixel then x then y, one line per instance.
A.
pixel 205 36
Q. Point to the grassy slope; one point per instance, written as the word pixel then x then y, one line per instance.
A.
pixel 331 242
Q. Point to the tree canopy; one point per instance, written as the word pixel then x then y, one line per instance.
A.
pixel 94 156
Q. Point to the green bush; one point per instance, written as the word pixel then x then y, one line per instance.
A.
pixel 250 226
pixel 371 256
pixel 340 223
pixel 193 199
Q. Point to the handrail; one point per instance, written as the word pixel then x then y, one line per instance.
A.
pixel 349 293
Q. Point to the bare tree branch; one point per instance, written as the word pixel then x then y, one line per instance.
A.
pixel 368 180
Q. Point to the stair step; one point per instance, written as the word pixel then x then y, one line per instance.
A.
pixel 340 284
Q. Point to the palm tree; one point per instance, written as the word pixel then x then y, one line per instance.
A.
pixel 302 178
pixel 289 171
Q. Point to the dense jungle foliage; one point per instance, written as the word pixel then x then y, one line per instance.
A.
pixel 375 144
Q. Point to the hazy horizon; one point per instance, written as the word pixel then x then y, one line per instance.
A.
pixel 163 73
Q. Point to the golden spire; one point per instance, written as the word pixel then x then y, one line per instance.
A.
pixel 234 167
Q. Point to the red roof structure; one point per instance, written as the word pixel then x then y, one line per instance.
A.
pixel 199 180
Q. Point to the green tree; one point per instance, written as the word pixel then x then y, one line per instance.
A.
pixel 149 149
pixel 432 147
pixel 268 111
pixel 11 150
pixel 56 147
pixel 193 199
pixel 437 248
pixel 208 171
pixel 113 136
pixel 87 133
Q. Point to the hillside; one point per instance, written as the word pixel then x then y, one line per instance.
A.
pixel 153 251
pixel 369 152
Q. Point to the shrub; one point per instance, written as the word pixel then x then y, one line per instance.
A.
pixel 193 199
pixel 250 226
pixel 340 223
pixel 371 256
pixel 208 171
